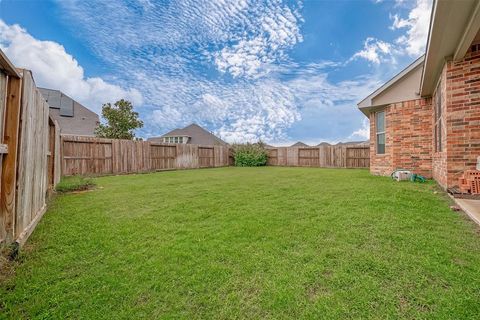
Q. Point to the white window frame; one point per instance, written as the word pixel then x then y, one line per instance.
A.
pixel 378 133
pixel 438 125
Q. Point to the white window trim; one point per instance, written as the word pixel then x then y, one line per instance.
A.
pixel 377 133
pixel 175 139
pixel 438 123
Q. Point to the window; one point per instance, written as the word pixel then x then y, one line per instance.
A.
pixel 438 118
pixel 174 139
pixel 380 131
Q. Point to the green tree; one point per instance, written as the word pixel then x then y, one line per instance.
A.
pixel 121 121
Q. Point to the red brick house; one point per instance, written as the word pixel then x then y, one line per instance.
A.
pixel 427 118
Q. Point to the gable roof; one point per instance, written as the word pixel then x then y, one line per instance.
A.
pixel 453 27
pixel 197 135
pixel 353 143
pixel 323 144
pixel 299 144
pixel 407 82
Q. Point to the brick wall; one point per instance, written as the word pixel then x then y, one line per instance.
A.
pixel 463 115
pixel 408 127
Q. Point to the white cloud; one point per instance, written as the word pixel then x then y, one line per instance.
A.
pixel 411 43
pixel 278 29
pixel 171 54
pixel 236 112
pixel 363 132
pixel 416 25
pixel 375 51
pixel 54 68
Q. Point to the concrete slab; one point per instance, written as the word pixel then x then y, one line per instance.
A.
pixel 471 207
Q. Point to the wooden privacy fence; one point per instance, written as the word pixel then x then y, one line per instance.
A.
pixel 322 156
pixel 97 156
pixel 29 144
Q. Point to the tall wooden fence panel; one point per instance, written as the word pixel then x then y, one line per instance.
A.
pixel 221 156
pixel 309 157
pixel 358 157
pixel 29 149
pixel 11 105
pixel 3 151
pixel 32 170
pixel 322 156
pixel 187 156
pixel 206 157
pixel 130 156
pixel 29 153
pixel 96 156
pixel 163 157
pixel 82 155
pixel 272 159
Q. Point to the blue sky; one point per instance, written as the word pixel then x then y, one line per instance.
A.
pixel 280 71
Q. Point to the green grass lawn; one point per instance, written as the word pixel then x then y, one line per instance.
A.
pixel 249 243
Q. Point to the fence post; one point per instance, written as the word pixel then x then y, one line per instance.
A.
pixel 9 163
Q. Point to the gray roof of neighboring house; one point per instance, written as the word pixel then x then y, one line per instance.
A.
pixel 352 143
pixel 58 100
pixel 72 117
pixel 299 144
pixel 197 135
pixel 323 144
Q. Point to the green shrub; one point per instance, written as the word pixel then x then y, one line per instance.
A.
pixel 250 154
pixel 74 183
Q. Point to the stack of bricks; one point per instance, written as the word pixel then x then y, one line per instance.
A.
pixel 469 182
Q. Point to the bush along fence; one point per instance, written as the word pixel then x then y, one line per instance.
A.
pixel 97 156
pixel 29 153
pixel 321 156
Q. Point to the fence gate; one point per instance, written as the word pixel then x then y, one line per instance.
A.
pixel 206 157
pixel 308 157
pixel 358 157
pixel 82 156
pixel 163 157
pixel 272 159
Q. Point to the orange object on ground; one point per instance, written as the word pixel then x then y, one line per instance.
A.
pixel 469 182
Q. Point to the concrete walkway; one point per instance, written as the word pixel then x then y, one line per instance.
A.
pixel 471 207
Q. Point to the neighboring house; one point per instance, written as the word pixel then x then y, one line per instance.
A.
pixel 192 134
pixel 72 117
pixel 299 144
pixel 348 144
pixel 427 118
